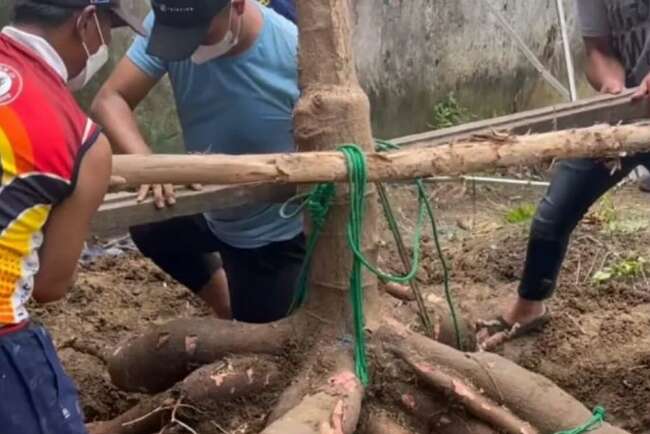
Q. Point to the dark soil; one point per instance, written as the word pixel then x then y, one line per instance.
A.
pixel 597 346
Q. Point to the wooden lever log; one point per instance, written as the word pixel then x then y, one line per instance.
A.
pixel 481 153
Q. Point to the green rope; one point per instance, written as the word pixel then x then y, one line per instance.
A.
pixel 594 423
pixel 423 199
pixel 357 177
pixel 319 201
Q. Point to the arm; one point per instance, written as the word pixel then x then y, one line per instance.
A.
pixel 113 107
pixel 128 85
pixel 69 223
pixel 604 71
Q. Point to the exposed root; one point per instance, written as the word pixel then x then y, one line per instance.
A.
pixel 477 404
pixel 205 387
pixel 333 407
pixel 435 413
pixel 175 421
pixel 149 416
pixel 236 377
pixel 291 396
pixel 528 395
pixel 454 423
pixel 417 403
pixel 157 360
pixel 379 423
pixel 400 292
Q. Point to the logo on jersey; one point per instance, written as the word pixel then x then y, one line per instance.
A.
pixel 11 84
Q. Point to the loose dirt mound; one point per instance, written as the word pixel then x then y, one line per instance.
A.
pixel 597 347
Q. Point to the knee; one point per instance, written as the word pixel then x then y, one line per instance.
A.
pixel 144 237
pixel 553 222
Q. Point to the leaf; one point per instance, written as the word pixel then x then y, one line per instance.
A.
pixel 602 276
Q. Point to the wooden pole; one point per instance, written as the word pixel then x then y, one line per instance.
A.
pixel 323 164
pixel 333 109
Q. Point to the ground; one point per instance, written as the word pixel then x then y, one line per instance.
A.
pixel 597 347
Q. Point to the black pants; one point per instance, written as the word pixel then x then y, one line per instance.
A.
pixel 262 281
pixel 575 186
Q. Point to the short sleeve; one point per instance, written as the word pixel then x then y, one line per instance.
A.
pixel 150 65
pixel 592 15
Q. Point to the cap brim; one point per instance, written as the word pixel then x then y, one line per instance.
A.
pixel 122 18
pixel 173 43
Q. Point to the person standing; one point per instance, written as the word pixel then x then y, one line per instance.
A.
pixel 616 36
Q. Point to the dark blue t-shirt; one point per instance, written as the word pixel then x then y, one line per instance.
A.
pixel 286 8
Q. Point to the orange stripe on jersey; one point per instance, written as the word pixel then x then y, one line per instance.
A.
pixel 20 142
pixel 6 319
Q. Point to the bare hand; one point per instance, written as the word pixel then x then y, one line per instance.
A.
pixel 612 87
pixel 163 194
pixel 195 187
pixel 643 92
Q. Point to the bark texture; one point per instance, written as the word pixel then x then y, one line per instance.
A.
pixel 331 115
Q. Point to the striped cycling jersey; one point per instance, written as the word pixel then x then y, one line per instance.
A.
pixel 43 136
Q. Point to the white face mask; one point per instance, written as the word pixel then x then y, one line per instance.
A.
pixel 94 62
pixel 230 40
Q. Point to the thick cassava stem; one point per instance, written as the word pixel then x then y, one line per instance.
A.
pixel 530 396
pixel 331 115
pixel 332 110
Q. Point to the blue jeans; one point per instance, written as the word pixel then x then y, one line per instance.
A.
pixel 575 186
pixel 36 395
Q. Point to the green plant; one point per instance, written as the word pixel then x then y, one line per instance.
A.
pixel 627 226
pixel 606 211
pixel 623 269
pixel 521 213
pixel 448 113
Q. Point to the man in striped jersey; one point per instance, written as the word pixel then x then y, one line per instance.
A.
pixel 54 170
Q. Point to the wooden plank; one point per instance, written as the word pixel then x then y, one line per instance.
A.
pixel 584 113
pixel 121 210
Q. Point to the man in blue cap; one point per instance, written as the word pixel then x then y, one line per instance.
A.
pixel 233 69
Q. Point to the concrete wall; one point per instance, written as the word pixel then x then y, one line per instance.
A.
pixel 412 53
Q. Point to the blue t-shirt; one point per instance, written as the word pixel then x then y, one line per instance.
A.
pixel 239 104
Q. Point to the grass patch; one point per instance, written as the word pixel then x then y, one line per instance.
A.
pixel 623 269
pixel 521 214
pixel 448 113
